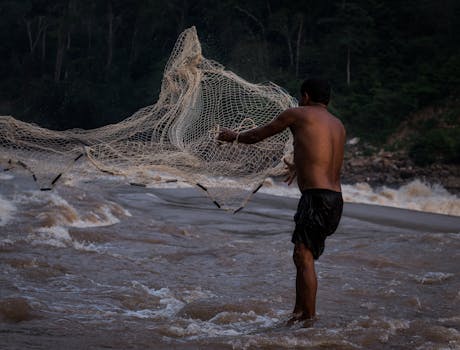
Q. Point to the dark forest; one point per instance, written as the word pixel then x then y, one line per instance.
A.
pixel 69 63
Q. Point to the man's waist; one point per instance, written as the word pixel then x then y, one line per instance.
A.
pixel 320 190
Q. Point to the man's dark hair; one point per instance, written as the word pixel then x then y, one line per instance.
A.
pixel 319 90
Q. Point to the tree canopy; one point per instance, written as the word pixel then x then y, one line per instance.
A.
pixel 69 63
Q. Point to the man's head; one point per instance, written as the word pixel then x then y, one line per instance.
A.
pixel 315 91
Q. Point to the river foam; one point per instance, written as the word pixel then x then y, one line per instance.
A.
pixel 416 195
pixel 179 273
pixel 7 209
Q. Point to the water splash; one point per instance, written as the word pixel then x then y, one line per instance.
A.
pixel 416 195
pixel 7 209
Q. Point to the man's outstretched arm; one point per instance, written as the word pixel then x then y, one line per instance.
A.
pixel 260 133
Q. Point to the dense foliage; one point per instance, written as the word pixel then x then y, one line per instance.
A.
pixel 86 63
pixel 437 138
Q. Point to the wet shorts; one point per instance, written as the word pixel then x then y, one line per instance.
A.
pixel 318 215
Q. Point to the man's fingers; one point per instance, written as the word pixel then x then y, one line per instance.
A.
pixel 223 135
pixel 289 179
pixel 226 135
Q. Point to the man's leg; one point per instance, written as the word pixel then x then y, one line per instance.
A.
pixel 306 283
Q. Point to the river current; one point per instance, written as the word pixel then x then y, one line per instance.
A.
pixel 101 264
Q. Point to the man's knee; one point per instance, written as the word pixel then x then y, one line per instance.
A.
pixel 302 256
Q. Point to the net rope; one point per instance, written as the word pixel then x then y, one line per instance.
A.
pixel 176 135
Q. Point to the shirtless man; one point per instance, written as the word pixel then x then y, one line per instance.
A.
pixel 319 140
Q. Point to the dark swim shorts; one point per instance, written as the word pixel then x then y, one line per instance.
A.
pixel 318 215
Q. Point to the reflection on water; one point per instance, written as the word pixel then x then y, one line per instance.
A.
pixel 108 265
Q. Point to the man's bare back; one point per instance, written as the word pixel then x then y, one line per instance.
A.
pixel 319 140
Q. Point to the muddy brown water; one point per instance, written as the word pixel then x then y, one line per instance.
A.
pixel 107 265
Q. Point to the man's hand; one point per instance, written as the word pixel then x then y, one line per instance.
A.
pixel 291 172
pixel 227 135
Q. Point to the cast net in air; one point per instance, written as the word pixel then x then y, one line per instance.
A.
pixel 177 135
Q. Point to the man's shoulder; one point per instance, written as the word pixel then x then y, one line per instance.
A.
pixel 297 111
pixel 311 114
pixel 305 112
pixel 293 110
pixel 290 115
pixel 298 115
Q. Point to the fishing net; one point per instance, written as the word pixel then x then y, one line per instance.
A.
pixel 177 135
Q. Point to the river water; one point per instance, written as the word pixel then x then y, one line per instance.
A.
pixel 99 264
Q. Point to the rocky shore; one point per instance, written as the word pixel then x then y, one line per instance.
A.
pixel 394 169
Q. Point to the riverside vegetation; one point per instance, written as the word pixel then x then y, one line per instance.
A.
pixel 394 65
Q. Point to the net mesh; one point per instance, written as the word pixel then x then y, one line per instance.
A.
pixel 176 135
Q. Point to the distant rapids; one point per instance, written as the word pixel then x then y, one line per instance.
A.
pixel 98 263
